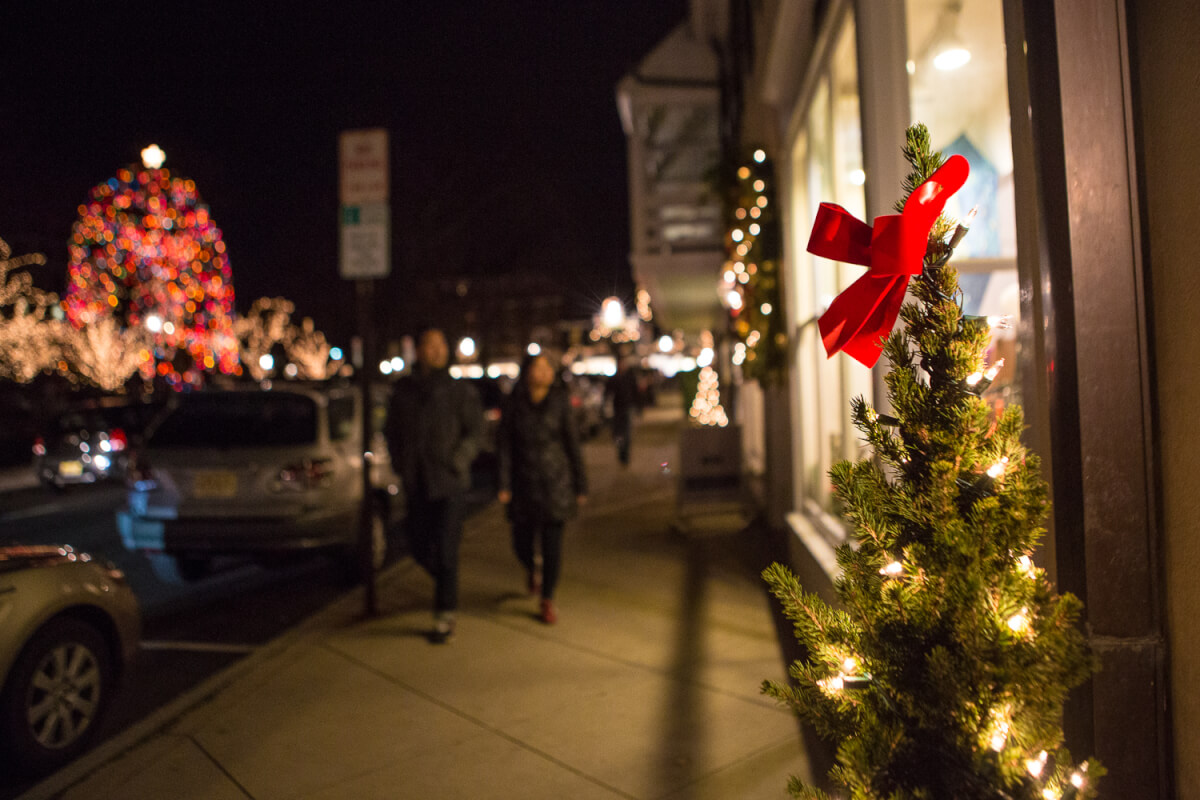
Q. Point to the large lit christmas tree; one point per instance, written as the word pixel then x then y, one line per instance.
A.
pixel 146 252
pixel 943 673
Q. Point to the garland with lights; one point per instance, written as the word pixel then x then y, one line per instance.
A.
pixel 146 252
pixel 944 673
pixel 749 282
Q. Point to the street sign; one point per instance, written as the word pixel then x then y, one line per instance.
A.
pixel 365 242
pixel 365 253
pixel 363 166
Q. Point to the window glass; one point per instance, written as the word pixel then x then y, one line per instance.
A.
pixel 826 167
pixel 341 417
pixel 238 419
pixel 958 88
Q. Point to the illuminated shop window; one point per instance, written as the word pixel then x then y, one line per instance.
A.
pixel 826 167
pixel 958 88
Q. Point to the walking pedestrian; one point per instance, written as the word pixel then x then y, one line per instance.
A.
pixel 623 391
pixel 433 430
pixel 542 478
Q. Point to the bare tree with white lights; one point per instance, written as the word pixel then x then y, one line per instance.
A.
pixel 29 336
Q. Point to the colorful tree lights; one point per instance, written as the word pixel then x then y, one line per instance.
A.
pixel 146 253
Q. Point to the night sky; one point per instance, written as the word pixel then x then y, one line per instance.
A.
pixel 507 151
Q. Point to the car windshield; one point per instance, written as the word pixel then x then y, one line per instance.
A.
pixel 238 419
pixel 128 417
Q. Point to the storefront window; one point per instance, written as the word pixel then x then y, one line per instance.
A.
pixel 958 88
pixel 827 167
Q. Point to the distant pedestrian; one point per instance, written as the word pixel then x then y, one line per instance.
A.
pixel 542 478
pixel 433 430
pixel 624 392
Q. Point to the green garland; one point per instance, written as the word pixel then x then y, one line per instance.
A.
pixel 751 269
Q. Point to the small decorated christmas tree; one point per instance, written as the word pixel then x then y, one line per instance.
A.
pixel 944 672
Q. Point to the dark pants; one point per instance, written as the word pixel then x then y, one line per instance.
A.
pixel 546 536
pixel 622 431
pixel 434 530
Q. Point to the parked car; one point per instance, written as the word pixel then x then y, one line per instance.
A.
pixel 90 442
pixel 70 629
pixel 268 475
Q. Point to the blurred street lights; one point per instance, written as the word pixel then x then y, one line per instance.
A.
pixel 153 156
pixel 612 313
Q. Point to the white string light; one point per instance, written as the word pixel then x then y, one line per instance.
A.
pixel 1034 766
pixel 1019 622
pixel 832 684
pixel 998 734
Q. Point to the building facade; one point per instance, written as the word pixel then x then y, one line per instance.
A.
pixel 1077 118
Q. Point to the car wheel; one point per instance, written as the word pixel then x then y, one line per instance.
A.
pixel 178 569
pixel 56 695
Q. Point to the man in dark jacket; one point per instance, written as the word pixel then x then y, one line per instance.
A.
pixel 433 431
pixel 623 391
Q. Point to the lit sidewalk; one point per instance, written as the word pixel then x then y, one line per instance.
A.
pixel 648 687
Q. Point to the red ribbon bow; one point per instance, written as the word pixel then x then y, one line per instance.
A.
pixel 860 318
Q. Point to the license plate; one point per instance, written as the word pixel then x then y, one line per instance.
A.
pixel 215 483
pixel 70 469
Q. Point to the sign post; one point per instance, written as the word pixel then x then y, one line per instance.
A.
pixel 364 255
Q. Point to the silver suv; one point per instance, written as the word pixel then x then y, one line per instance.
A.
pixel 248 472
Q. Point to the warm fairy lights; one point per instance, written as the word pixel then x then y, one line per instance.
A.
pixel 998 732
pixel 706 407
pixel 1019 622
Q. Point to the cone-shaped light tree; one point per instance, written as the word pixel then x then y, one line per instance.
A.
pixel 943 672
pixel 146 253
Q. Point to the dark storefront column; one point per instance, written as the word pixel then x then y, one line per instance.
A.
pixel 1082 276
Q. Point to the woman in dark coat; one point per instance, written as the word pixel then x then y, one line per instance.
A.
pixel 541 473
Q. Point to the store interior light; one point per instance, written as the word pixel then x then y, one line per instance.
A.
pixel 952 57
pixel 948 48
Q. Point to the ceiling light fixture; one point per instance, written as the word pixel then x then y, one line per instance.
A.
pixel 949 50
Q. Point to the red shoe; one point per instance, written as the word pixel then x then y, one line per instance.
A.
pixel 549 612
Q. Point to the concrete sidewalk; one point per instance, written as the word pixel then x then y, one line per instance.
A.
pixel 648 686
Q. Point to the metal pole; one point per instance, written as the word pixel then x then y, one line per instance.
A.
pixel 366 549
